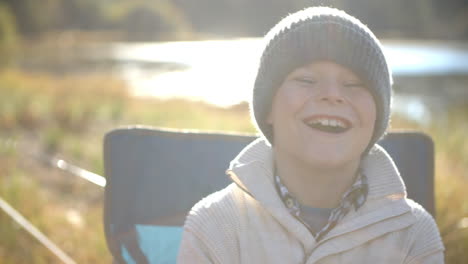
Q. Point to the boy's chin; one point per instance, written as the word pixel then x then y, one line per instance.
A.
pixel 332 160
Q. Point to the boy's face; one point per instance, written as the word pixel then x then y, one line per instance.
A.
pixel 322 115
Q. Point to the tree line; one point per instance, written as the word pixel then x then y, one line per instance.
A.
pixel 166 19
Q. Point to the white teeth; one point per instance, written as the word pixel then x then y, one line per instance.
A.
pixel 328 122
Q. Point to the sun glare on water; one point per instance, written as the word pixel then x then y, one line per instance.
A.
pixel 217 72
pixel 222 72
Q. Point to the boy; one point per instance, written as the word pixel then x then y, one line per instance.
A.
pixel 315 188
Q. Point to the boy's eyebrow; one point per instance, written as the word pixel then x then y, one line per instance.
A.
pixel 351 76
pixel 304 71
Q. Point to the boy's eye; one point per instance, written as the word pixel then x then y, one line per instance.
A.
pixel 305 80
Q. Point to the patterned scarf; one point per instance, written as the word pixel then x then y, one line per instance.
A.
pixel 355 197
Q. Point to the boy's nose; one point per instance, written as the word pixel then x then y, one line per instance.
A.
pixel 332 93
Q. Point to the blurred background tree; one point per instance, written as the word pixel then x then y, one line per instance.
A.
pixel 8 35
pixel 136 19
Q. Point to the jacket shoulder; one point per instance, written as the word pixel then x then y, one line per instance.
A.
pixel 209 230
pixel 214 214
pixel 424 235
pixel 213 204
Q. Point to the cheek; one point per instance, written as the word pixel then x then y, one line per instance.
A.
pixel 368 111
pixel 291 99
pixel 285 103
pixel 363 103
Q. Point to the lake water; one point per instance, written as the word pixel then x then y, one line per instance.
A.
pixel 221 72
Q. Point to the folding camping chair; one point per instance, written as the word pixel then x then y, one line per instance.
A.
pixel 155 176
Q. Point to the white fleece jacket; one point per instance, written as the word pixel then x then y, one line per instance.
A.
pixel 247 223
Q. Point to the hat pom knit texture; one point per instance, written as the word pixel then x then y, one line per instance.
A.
pixel 321 33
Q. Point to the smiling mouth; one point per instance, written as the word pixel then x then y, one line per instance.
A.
pixel 328 124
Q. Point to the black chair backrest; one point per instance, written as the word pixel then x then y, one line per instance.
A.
pixel 155 176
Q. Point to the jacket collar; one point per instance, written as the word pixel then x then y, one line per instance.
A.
pixel 252 171
pixel 383 177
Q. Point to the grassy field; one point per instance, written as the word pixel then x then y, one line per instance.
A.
pixel 67 117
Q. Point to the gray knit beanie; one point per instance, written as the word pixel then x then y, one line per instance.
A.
pixel 321 33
